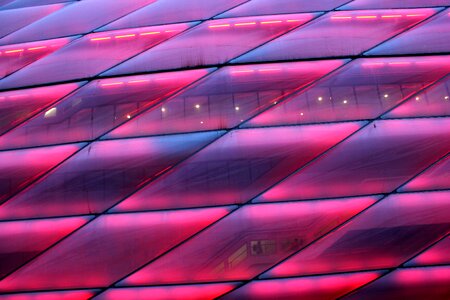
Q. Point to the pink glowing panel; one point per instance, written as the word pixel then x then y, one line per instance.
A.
pixel 413 284
pixel 385 236
pixel 27 3
pixel 431 36
pixel 437 177
pixel 175 292
pixel 19 168
pixel 80 17
pixel 378 159
pixel 57 295
pixel 338 34
pixel 102 174
pixel 168 11
pixel 249 241
pixel 109 248
pixel 12 20
pixel 238 167
pixel 227 98
pixel 97 108
pixel 268 7
pixel 15 57
pixel 91 55
pixel 432 102
pixel 364 89
pixel 374 4
pixel 212 42
pixel 20 241
pixel 17 106
pixel 328 287
pixel 438 254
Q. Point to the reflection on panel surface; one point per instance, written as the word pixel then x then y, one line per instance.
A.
pixel 437 177
pixel 437 254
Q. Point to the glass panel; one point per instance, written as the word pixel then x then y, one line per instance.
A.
pixel 438 254
pixel 92 54
pixel 238 166
pixel 384 236
pixel 109 248
pixel 102 174
pixel 363 89
pixel 366 4
pixel 431 36
pixel 247 242
pixel 57 295
pixel 226 98
pixel 378 159
pixel 212 42
pixel 97 108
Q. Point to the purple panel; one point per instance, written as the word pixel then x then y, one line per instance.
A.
pixel 248 241
pixel 384 236
pixel 20 241
pixel 412 284
pixel 338 34
pixel 433 36
pixel 438 254
pixel 374 4
pixel 96 108
pixel 437 177
pixel 268 7
pixel 27 3
pixel 212 42
pixel 57 295
pixel 364 89
pixel 227 98
pixel 238 167
pixel 168 11
pixel 109 248
pixel 102 174
pixel 377 159
pixel 80 17
pixel 91 55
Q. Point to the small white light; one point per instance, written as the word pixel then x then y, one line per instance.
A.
pixel 128 117
pixel 417 98
pixel 50 113
pixel 301 114
pixel 236 108
pixel 446 97
pixel 201 122
pixel 386 96
pixel 197 106
pixel 345 101
pixel 163 109
pixel 275 102
pixel 320 98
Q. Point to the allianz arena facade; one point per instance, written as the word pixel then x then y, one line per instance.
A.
pixel 226 149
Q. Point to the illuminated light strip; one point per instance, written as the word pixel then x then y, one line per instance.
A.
pixel 219 26
pixel 101 38
pixel 391 16
pixel 125 36
pixel 270 22
pixel 242 71
pixel 150 33
pixel 36 48
pixel 14 51
pixel 416 15
pixel 245 24
pixel 112 84
pixel 138 81
pixel 341 18
pixel 400 63
pixel 292 21
pixel 366 17
pixel 269 70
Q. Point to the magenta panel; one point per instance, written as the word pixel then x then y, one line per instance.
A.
pixel 249 241
pixel 432 36
pixel 238 166
pixel 414 284
pixel 438 254
pixel 363 89
pixel 109 248
pixel 338 34
pixel 212 42
pixel 437 177
pixel 102 174
pixel 377 159
pixel 92 54
pixel 97 108
pixel 329 287
pixel 168 11
pixel 384 236
pixel 374 4
pixel 226 98
pixel 57 295
pixel 21 241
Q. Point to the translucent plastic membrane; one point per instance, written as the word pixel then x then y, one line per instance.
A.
pixel 19 168
pixel 377 159
pixel 238 167
pixel 317 287
pixel 169 11
pixel 431 36
pixel 102 174
pixel 414 284
pixel 91 54
pixel 17 106
pixel 249 241
pixel 180 292
pixel 30 3
pixel 109 248
pixel 437 177
pixel 96 108
pixel 15 57
pixel 437 254
pixel 20 241
pixel 212 42
pixel 268 7
pixel 57 295
pixel 77 18
pixel 374 4
pixel 384 236
pixel 227 98
pixel 338 34
pixel 364 89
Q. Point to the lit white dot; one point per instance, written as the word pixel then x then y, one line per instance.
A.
pixel 201 122
pixel 128 117
pixel 237 108
pixel 417 98
pixel 345 101
pixel 197 106
pixel 446 97
pixel 301 114
pixel 320 98
pixel 386 96
pixel 275 102
pixel 163 109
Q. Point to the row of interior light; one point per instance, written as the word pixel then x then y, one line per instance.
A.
pixel 21 50
pixel 131 35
